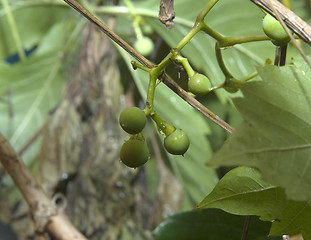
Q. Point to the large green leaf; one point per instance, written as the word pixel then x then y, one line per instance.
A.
pixel 242 191
pixel 34 87
pixel 210 224
pixel 33 20
pixel 275 136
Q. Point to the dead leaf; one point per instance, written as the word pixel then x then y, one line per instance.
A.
pixel 167 13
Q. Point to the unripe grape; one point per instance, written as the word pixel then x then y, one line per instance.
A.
pixel 147 29
pixel 274 30
pixel 134 153
pixel 177 143
pixel 132 120
pixel 199 84
pixel 144 46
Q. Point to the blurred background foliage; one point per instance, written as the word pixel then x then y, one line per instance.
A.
pixel 49 32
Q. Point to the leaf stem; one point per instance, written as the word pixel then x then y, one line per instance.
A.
pixel 205 10
pixel 283 55
pixel 280 55
pixel 15 33
pixel 153 75
pixel 137 19
pixel 230 41
pixel 198 26
pixel 162 125
pixel 212 33
pixel 246 227
pixel 136 65
pixel 277 56
pixel 166 61
pixel 221 63
pixel 246 78
pixel 186 65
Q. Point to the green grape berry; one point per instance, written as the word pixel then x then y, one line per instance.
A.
pixel 177 143
pixel 274 30
pixel 132 120
pixel 199 84
pixel 147 29
pixel 134 153
pixel 144 46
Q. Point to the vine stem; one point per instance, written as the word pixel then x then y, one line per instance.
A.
pixel 205 10
pixel 150 93
pixel 221 62
pixel 145 62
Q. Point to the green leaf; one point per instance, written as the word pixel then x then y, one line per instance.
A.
pixel 243 185
pixel 33 20
pixel 210 224
pixel 242 191
pixel 34 87
pixel 275 136
pixel 31 89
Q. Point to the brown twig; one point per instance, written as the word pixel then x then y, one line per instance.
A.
pixel 166 80
pixel 45 216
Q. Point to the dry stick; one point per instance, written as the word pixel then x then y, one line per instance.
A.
pixel 290 20
pixel 46 218
pixel 166 80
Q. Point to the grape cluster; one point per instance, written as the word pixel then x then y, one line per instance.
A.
pixel 134 152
